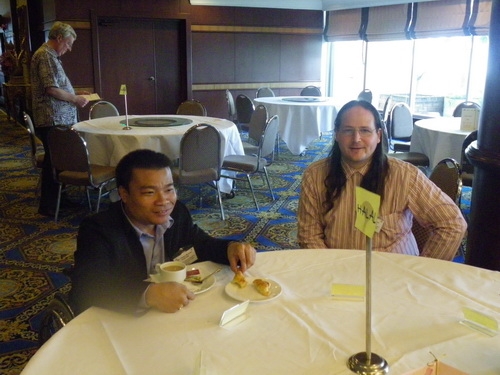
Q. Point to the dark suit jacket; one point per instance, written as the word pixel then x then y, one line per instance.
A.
pixel 110 267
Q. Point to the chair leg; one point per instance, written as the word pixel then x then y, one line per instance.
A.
pixel 268 183
pixel 98 200
pixel 277 147
pixel 58 204
pixel 88 199
pixel 220 201
pixel 253 192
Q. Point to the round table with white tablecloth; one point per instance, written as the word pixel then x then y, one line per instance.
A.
pixel 417 306
pixel 438 138
pixel 108 140
pixel 302 118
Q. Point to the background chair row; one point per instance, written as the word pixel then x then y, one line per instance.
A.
pixel 102 108
pixel 306 91
pixel 71 165
pixel 192 107
pixel 249 165
pixel 457 112
pixel 264 92
pixel 416 158
pixel 201 161
pixel 37 152
pixel 366 95
pixel 446 175
pixel 310 91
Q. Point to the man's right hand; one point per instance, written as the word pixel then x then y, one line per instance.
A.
pixel 80 101
pixel 168 297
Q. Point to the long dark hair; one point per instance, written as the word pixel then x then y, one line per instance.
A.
pixel 379 168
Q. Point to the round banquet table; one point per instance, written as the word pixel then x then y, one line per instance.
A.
pixel 108 141
pixel 416 309
pixel 438 138
pixel 302 118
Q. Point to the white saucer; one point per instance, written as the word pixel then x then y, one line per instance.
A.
pixel 250 293
pixel 200 288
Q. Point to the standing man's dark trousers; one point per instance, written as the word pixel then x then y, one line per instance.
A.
pixel 49 188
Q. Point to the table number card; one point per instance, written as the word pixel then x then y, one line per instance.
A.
pixel 348 292
pixel 480 322
pixel 470 119
pixel 234 315
pixel 367 206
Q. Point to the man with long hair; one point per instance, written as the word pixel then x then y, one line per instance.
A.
pixel 326 214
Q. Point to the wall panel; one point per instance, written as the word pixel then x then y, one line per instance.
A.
pixel 235 48
pixel 257 58
pixel 213 57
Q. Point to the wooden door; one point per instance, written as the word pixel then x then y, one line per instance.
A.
pixel 147 56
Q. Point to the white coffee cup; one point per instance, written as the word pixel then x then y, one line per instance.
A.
pixel 171 271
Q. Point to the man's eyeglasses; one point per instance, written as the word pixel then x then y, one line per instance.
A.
pixel 363 132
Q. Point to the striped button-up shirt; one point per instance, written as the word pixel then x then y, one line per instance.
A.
pixel 408 193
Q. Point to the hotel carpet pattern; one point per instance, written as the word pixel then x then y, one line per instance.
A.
pixel 34 251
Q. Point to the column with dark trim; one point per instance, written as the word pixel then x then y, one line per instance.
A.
pixel 483 241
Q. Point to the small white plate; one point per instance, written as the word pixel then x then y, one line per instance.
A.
pixel 203 287
pixel 250 293
pixel 195 288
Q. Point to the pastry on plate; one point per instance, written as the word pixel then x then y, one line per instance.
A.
pixel 239 279
pixel 262 286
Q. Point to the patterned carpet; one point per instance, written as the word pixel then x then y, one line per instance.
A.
pixel 34 250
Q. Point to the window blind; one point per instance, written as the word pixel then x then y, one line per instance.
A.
pixel 389 22
pixel 440 18
pixel 479 23
pixel 343 25
pixel 414 20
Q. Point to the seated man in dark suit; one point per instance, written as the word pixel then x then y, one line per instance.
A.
pixel 117 249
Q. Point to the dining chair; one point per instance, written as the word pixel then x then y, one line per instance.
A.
pixel 102 108
pixel 55 316
pixel 231 107
pixel 37 155
pixel 387 109
pixel 457 112
pixel 446 175
pixel 200 160
pixel 191 107
pixel 71 165
pixel 251 164
pixel 366 95
pixel 400 127
pixel 264 92
pixel 256 127
pixel 310 91
pixel 244 110
pixel 416 158
pixel 467 168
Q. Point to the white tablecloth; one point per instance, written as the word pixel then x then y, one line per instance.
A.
pixel 417 308
pixel 108 142
pixel 438 138
pixel 301 122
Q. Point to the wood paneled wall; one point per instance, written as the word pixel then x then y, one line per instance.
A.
pixel 233 48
